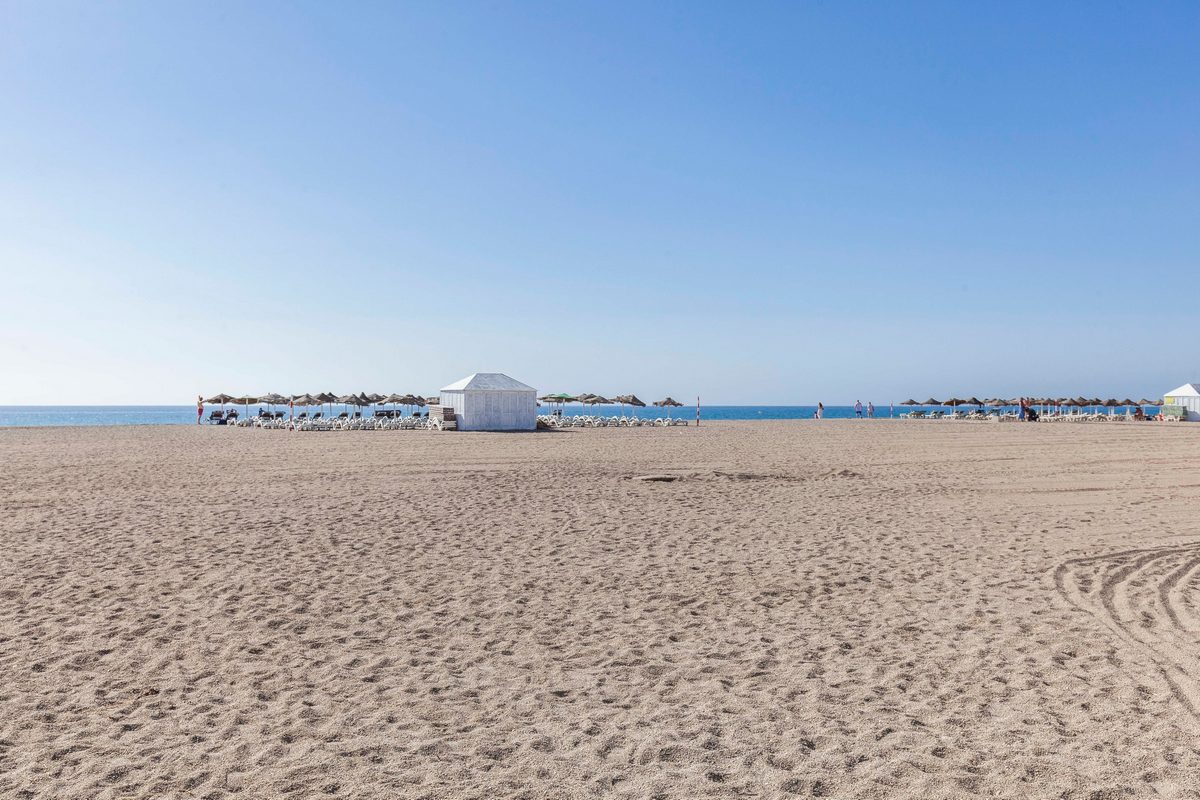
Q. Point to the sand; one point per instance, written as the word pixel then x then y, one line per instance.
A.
pixel 844 609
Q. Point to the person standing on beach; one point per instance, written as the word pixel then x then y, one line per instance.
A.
pixel 858 408
pixel 199 408
pixel 820 410
pixel 870 410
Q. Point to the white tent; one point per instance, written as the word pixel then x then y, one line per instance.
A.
pixel 491 401
pixel 1187 396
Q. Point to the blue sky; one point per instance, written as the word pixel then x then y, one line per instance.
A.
pixel 752 202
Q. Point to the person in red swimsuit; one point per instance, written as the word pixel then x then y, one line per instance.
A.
pixel 199 408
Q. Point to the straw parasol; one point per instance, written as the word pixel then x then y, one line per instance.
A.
pixel 910 402
pixel 221 399
pixel 325 398
pixel 628 400
pixel 668 403
pixel 931 402
pixel 245 401
pixel 597 400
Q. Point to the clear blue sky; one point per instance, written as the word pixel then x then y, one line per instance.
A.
pixel 753 202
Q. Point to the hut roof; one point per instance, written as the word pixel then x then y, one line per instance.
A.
pixel 488 381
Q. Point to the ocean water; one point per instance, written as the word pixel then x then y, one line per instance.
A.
pixel 39 416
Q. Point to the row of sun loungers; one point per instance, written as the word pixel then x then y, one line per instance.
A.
pixel 582 421
pixel 1012 415
pixel 318 422
pixel 397 422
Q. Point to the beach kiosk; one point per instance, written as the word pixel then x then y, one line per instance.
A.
pixel 491 401
pixel 1184 402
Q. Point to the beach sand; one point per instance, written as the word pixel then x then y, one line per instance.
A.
pixel 844 609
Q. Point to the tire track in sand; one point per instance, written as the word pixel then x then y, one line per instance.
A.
pixel 1145 598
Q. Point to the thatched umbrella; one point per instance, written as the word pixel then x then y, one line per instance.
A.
pixel 668 403
pixel 973 401
pixel 325 398
pixel 244 400
pixel 910 402
pixel 272 399
pixel 597 400
pixel 931 402
pixel 954 402
pixel 346 400
pixel 583 398
pixel 220 399
pixel 1145 402
pixel 305 400
pixel 628 400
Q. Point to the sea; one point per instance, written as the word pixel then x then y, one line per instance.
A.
pixel 53 416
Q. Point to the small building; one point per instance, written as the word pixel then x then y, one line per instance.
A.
pixel 491 401
pixel 1186 397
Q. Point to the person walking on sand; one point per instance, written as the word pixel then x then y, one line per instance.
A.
pixel 820 410
pixel 858 408
pixel 199 408
pixel 870 410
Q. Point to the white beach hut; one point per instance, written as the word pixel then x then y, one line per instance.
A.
pixel 1187 396
pixel 491 401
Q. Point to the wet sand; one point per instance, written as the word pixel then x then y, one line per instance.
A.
pixel 838 608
